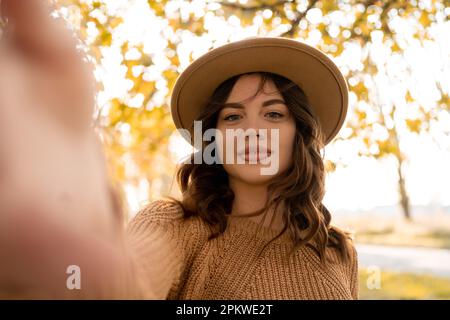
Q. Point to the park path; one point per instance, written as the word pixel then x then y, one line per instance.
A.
pixel 405 259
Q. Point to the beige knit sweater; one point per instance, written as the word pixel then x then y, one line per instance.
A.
pixel 227 267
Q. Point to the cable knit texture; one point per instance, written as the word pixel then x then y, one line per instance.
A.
pixel 173 259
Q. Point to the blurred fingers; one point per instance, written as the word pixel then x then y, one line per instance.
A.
pixel 32 30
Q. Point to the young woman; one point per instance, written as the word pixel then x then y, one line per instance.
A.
pixel 243 234
pixel 238 232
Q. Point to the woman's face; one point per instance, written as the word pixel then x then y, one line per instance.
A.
pixel 272 121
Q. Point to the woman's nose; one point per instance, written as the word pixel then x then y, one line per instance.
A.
pixel 253 122
pixel 256 128
pixel 252 128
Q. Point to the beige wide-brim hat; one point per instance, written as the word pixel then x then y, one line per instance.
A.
pixel 308 67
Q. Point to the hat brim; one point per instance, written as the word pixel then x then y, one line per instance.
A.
pixel 318 76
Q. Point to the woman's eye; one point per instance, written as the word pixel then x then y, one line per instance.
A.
pixel 232 117
pixel 274 115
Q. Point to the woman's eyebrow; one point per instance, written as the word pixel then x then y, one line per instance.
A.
pixel 266 103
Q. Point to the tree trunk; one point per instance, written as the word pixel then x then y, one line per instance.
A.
pixel 404 199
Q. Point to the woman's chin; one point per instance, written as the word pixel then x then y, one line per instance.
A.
pixel 251 174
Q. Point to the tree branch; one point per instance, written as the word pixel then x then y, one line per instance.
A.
pixel 258 7
pixel 298 18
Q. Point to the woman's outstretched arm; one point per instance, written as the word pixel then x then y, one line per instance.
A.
pixel 60 236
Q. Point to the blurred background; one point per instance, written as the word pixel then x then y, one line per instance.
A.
pixel 388 174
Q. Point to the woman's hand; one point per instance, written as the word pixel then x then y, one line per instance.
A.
pixel 55 199
pixel 50 154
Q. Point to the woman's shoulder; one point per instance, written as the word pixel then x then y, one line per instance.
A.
pixel 346 257
pixel 166 216
pixel 161 210
pixel 168 212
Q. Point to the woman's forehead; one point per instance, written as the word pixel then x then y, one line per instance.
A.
pixel 247 88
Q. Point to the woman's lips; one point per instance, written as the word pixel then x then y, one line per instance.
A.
pixel 254 155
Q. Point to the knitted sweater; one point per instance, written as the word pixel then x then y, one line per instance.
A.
pixel 228 267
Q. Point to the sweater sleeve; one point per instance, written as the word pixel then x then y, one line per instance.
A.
pixel 354 277
pixel 155 258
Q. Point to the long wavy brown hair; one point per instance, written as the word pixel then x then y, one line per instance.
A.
pixel 300 188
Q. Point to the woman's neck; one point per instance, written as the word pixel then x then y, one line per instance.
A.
pixel 249 198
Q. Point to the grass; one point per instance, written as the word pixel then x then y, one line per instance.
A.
pixel 432 239
pixel 395 285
